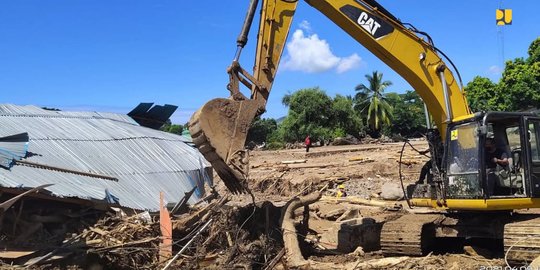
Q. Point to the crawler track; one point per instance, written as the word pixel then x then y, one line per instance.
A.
pixel 522 240
pixel 409 235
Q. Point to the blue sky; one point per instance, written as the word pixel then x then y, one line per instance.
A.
pixel 111 55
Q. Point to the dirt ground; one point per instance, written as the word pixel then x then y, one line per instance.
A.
pixel 294 220
pixel 277 176
pixel 362 168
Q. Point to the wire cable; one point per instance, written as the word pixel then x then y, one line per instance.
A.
pixel 430 40
pixel 400 171
pixel 401 176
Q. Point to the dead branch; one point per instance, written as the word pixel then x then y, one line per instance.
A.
pixel 294 258
pixel 356 200
pixel 290 240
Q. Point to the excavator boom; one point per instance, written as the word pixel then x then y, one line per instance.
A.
pixel 462 182
pixel 220 127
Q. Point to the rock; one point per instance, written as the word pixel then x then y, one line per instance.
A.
pixel 350 214
pixel 348 140
pixel 347 236
pixel 391 191
pixel 333 214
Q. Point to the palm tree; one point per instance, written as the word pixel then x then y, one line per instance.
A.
pixel 371 102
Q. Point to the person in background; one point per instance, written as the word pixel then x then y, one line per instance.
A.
pixel 341 191
pixel 308 143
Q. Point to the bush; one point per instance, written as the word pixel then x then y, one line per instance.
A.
pixel 338 132
pixel 275 146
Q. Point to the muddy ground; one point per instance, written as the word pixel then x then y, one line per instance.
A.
pixel 263 231
pixel 277 176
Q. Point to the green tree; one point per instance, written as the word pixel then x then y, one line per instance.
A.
pixel 371 102
pixel 172 128
pixel 312 105
pixel 534 51
pixel 309 113
pixel 313 112
pixel 482 94
pixel 408 115
pixel 518 88
pixel 261 129
pixel 346 120
pixel 520 85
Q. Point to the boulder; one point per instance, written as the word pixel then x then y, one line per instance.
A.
pixel 391 191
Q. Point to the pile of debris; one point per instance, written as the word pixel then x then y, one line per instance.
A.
pixel 122 242
pixel 42 234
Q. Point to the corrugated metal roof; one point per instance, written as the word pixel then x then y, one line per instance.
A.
pixel 145 161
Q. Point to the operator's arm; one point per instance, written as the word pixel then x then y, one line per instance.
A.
pixel 501 159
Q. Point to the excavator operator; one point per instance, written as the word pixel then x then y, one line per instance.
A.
pixel 494 157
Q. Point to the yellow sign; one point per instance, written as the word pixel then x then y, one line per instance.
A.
pixel 503 16
pixel 454 135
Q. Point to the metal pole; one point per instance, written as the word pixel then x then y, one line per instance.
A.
pixel 426 114
pixel 243 37
pixel 446 97
pixel 186 246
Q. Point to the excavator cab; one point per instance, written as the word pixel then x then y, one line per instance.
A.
pixel 468 178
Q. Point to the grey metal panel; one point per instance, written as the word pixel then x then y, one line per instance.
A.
pixel 145 161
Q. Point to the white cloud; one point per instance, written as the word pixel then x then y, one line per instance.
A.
pixel 310 54
pixel 495 70
pixel 305 25
pixel 348 63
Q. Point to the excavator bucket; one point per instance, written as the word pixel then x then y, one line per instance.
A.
pixel 219 129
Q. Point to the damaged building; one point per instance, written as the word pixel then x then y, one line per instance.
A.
pixel 98 158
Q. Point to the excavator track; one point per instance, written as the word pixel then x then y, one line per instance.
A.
pixel 522 240
pixel 409 235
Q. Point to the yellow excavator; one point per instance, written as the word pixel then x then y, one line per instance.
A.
pixel 476 201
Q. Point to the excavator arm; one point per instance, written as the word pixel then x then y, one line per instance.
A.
pixel 219 128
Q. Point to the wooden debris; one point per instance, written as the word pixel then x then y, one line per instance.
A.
pixel 470 251
pixel 197 216
pixel 314 166
pixel 290 239
pixel 356 200
pixel 407 162
pixel 342 150
pixel 187 245
pixel 361 159
pixel 294 161
pixel 165 226
pixel 7 204
pixel 293 254
pixel 181 206
pixel 126 242
pixel 275 260
pixel 14 254
pixel 384 263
